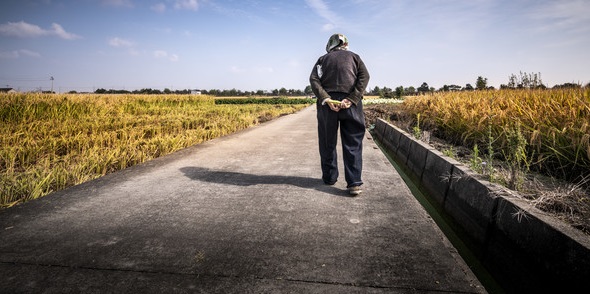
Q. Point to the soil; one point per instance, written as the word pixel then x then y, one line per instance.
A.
pixel 569 202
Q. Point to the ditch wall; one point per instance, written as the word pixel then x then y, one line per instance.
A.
pixel 523 248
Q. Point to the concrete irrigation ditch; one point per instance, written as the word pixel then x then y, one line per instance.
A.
pixel 522 247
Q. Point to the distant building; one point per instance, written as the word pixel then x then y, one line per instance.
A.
pixel 196 92
pixel 7 90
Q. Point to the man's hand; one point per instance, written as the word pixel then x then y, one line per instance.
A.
pixel 335 107
pixel 333 104
pixel 345 104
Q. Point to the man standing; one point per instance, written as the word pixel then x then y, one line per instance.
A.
pixel 338 80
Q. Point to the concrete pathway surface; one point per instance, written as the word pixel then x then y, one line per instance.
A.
pixel 246 213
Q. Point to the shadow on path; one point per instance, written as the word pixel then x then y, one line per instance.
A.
pixel 243 179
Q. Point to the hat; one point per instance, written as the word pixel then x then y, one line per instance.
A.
pixel 337 41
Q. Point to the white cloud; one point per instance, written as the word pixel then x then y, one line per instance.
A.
pixel 29 53
pixel 328 27
pixel 187 4
pixel 118 42
pixel 18 53
pixel 60 32
pixel 22 29
pixel 567 15
pixel 322 9
pixel 177 4
pixel 164 54
pixel 123 43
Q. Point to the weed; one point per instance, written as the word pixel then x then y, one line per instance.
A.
pixel 416 130
pixel 515 155
pixel 450 152
pixel 475 163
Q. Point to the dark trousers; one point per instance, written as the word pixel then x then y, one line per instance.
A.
pixel 352 132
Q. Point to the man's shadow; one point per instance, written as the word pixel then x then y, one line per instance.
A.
pixel 243 179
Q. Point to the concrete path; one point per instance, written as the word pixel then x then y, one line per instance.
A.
pixel 246 213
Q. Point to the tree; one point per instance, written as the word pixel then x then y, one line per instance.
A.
pixel 568 86
pixel 481 83
pixel 308 90
pixel 387 92
pixel 454 87
pixel 524 81
pixel 423 88
pixel 399 92
pixel 233 92
pixel 468 87
pixel 410 90
pixel 377 91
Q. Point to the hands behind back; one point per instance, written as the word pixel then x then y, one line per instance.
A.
pixel 344 104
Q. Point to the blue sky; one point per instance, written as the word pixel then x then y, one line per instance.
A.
pixel 263 45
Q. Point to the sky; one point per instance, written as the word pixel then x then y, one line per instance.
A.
pixel 252 45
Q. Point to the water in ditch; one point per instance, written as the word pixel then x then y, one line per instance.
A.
pixel 448 227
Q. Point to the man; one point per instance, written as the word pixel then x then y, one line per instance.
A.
pixel 338 80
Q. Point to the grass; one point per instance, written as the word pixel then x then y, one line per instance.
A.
pixel 51 142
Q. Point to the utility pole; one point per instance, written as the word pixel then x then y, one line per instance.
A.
pixel 51 78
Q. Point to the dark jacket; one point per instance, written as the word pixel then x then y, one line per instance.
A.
pixel 341 71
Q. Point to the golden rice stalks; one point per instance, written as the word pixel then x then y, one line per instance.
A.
pixel 50 142
pixel 555 123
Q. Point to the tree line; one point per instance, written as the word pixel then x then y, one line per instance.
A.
pixel 521 81
pixel 214 92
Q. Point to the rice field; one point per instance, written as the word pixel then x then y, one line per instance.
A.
pixel 53 141
pixel 555 124
pixel 512 137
